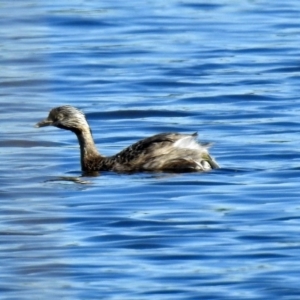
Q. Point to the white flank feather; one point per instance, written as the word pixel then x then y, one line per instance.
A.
pixel 189 142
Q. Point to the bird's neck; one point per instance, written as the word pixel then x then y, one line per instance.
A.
pixel 88 150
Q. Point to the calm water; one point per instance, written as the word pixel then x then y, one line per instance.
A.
pixel 227 69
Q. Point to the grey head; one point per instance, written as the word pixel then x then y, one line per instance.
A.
pixel 65 117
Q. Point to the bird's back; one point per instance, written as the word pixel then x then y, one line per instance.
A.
pixel 165 151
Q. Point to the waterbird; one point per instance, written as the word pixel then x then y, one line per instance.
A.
pixel 164 152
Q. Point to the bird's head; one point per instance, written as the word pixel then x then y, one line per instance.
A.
pixel 65 117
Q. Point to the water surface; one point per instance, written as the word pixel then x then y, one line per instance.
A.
pixel 229 71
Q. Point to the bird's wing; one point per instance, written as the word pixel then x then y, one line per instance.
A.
pixel 150 144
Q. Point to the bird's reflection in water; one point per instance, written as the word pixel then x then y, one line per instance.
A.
pixel 74 179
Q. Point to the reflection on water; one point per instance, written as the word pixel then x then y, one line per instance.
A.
pixel 69 179
pixel 227 71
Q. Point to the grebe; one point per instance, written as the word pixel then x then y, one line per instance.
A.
pixel 169 152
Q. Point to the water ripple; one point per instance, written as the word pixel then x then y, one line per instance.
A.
pixel 227 71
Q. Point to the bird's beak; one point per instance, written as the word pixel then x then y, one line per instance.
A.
pixel 44 123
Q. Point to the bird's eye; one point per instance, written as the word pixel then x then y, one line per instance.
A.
pixel 57 118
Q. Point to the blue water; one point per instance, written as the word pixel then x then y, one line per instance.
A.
pixel 229 70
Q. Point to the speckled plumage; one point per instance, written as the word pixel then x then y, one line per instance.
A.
pixel 171 152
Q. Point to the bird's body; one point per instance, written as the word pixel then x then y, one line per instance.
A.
pixel 171 152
